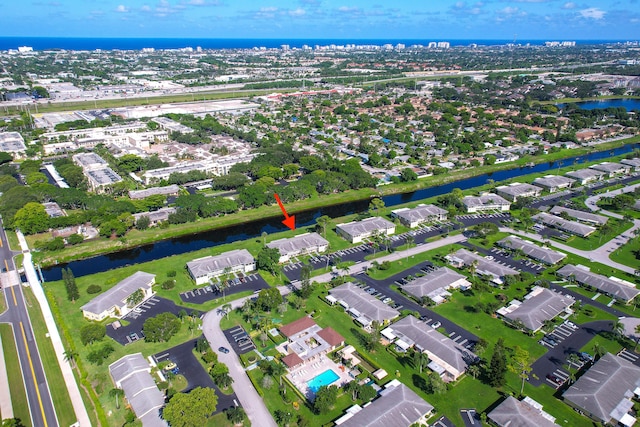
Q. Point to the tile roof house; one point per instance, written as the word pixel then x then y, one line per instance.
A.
pixel 363 307
pixel 132 374
pixel 301 244
pixel 520 413
pixel 306 340
pixel 604 392
pixel 204 269
pixel 539 305
pixel 397 406
pixel 113 302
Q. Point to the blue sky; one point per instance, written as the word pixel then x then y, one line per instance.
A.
pixel 299 19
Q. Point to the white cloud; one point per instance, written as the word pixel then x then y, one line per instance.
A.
pixel 122 9
pixel 145 8
pixel 297 12
pixel 592 13
pixel 569 5
pixel 268 9
pixel 348 9
pixel 509 10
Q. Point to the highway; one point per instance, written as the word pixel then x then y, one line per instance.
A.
pixel 37 389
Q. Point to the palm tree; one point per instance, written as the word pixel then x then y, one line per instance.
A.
pixel 473 370
pixel 637 332
pixel 264 238
pixel 573 360
pixel 598 350
pixel 618 328
pixel 226 308
pixel 70 357
pixel 116 392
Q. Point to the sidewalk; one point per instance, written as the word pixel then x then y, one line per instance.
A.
pixel 6 409
pixel 54 335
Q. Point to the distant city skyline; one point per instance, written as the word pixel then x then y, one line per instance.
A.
pixel 347 19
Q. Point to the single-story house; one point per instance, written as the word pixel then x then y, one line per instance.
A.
pixel 132 374
pixel 604 393
pixel 204 269
pixel 397 406
pixel 566 225
pixel 363 307
pixel 484 267
pixel 520 413
pixel 436 283
pixel 611 169
pixel 485 202
pixel 634 163
pixel 554 183
pixel 517 190
pixel 155 217
pixel 617 288
pixel 539 305
pixel 446 355
pixel 533 251
pixel 585 176
pixel 114 302
pixel 581 216
pixel 357 231
pixel 420 214
pixel 301 244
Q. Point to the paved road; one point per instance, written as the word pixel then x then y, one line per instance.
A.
pixel 38 395
pixel 249 398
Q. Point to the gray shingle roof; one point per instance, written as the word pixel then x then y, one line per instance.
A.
pixel 366 226
pixel 604 386
pixel 429 339
pixel 548 256
pixel 117 295
pixel 300 243
pixel 563 224
pixel 484 266
pixel 397 406
pixel 420 213
pixel 543 305
pixel 202 266
pixel 553 181
pixel 585 174
pixel 366 304
pixel 514 413
pixel 485 199
pixel 518 189
pixel 580 215
pixel 602 283
pixel 441 278
pixel 609 167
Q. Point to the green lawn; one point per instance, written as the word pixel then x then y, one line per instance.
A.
pixel 627 254
pixel 599 238
pixel 14 375
pixel 57 386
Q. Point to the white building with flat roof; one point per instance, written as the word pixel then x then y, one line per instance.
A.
pixel 12 143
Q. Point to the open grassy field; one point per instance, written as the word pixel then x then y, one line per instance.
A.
pixel 14 375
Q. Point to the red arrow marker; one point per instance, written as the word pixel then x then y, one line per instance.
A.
pixel 289 221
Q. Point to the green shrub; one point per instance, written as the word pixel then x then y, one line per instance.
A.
pixel 168 284
pixel 171 273
pixel 94 289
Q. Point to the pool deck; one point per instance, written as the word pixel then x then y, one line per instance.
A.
pixel 314 367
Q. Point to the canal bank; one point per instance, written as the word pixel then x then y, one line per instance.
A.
pixel 269 224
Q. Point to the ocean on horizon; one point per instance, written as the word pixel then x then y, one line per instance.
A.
pixel 88 43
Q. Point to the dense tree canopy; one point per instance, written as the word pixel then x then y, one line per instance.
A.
pixel 191 409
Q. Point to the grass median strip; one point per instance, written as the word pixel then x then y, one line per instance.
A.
pixel 14 375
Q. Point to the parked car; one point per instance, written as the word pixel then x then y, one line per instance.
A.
pixel 585 357
pixel 436 324
pixel 224 350
pixel 554 379
pixel 571 324
pixel 549 340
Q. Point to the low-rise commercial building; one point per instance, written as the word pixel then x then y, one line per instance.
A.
pixel 397 406
pixel 533 251
pixel 539 306
pixel 485 202
pixel 171 125
pixel 560 223
pixel 363 307
pixel 518 190
pixel 617 288
pixel 301 244
pixel 204 269
pixel 554 183
pixel 447 357
pixel 606 392
pixel 13 143
pixel 117 302
pixel 436 284
pixel 357 231
pixel 420 214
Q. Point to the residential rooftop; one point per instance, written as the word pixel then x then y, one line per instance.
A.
pixel 581 215
pixel 539 305
pixel 564 224
pixel 618 288
pixel 361 303
pixel 520 413
pixel 530 249
pixel 119 293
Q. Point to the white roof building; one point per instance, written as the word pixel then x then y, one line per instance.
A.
pixel 485 202
pixel 356 231
pixel 363 307
pixel 554 183
pixel 436 283
pixel 204 269
pixel 539 305
pixel 301 244
pixel 113 302
pixel 420 214
pixel 560 223
pixel 516 190
pixel 12 143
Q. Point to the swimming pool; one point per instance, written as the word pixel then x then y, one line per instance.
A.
pixel 325 378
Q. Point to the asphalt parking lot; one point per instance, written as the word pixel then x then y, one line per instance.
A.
pixel 505 259
pixel 252 282
pixel 150 308
pixel 239 340
pixel 188 366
